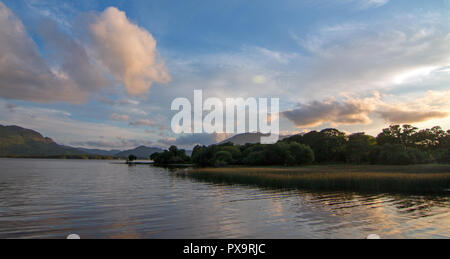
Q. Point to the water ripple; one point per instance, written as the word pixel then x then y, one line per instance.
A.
pixel 98 199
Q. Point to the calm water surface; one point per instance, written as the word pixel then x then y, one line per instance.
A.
pixel 98 199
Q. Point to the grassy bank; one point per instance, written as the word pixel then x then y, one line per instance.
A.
pixel 367 178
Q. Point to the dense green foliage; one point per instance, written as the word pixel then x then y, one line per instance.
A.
pixel 328 145
pixel 284 154
pixel 171 157
pixel 132 158
pixel 396 145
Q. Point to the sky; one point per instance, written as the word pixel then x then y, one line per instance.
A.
pixel 103 74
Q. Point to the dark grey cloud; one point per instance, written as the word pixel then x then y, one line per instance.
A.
pixel 395 115
pixel 320 112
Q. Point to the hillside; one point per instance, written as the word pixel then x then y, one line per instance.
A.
pixel 17 141
pixel 141 152
pixel 99 152
pixel 247 138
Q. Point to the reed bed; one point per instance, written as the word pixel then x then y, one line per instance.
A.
pixel 367 178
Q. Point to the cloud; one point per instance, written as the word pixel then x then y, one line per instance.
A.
pixel 118 117
pixel 23 72
pixel 74 62
pixel 73 69
pixel 384 55
pixel 143 123
pixel 433 105
pixel 351 111
pixel 128 51
pixel 365 4
pixel 64 129
pixel 128 102
pixel 395 115
pixel 118 143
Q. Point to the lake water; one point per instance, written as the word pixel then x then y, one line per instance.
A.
pixel 99 199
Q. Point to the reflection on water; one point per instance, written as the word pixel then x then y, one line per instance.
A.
pixel 98 199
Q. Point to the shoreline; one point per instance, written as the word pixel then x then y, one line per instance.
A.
pixel 417 179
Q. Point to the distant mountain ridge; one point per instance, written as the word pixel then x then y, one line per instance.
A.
pixel 248 138
pixel 17 141
pixel 99 152
pixel 141 152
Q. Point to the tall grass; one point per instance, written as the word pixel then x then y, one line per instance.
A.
pixel 405 179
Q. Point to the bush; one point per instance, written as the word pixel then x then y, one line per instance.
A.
pixel 302 154
pixel 255 158
pixel 171 156
pixel 442 155
pixel 396 154
pixel 358 148
pixel 284 154
pixel 222 158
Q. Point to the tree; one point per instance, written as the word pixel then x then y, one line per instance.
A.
pixel 433 138
pixel 396 134
pixel 394 145
pixel 132 158
pixel 222 158
pixel 397 154
pixel 302 154
pixel 358 148
pixel 328 145
pixel 170 157
pixel 196 154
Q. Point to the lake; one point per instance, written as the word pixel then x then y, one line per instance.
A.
pixel 101 199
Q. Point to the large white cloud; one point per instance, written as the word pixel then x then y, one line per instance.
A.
pixel 23 72
pixel 74 68
pixel 128 51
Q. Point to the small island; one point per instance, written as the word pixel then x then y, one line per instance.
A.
pixel 399 159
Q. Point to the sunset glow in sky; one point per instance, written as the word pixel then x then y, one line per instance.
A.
pixel 103 74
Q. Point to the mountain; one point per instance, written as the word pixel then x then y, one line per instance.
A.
pixel 141 152
pixel 247 138
pixel 99 151
pixel 17 141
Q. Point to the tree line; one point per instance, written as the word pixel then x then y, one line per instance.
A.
pixel 396 145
